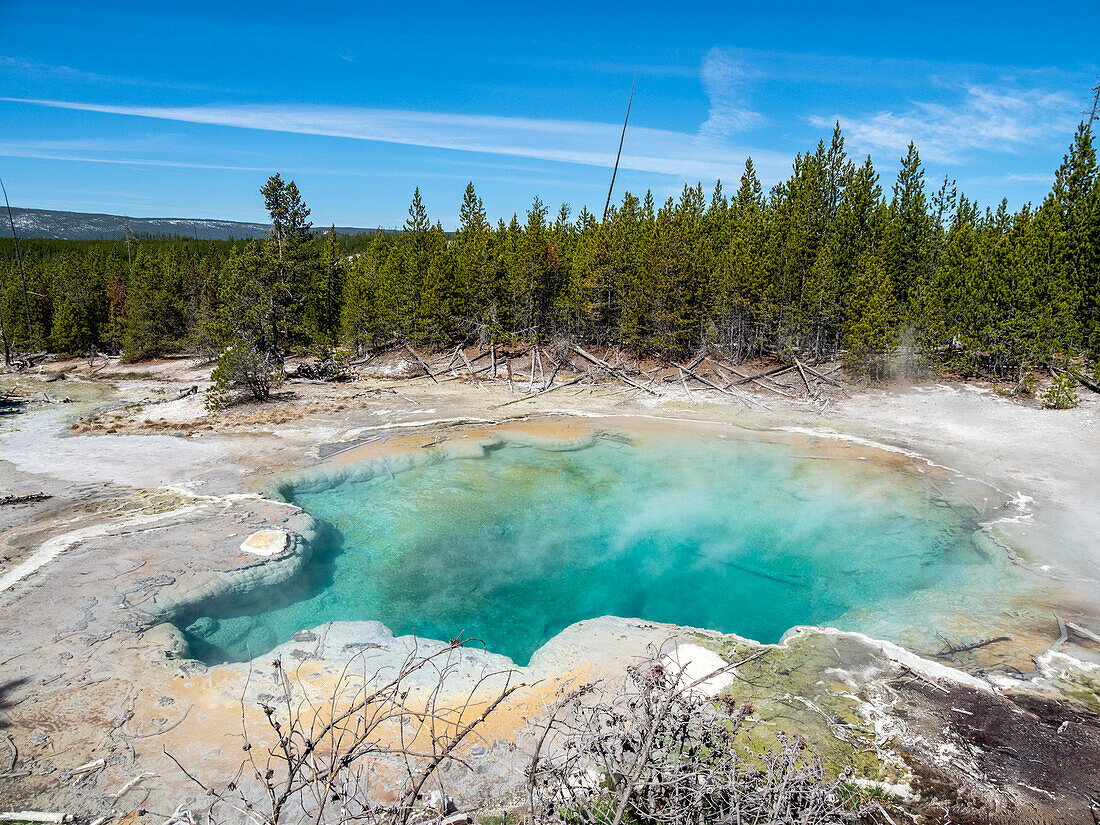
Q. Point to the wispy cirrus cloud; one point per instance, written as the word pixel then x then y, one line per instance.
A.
pixel 726 81
pixel 9 152
pixel 68 74
pixel 986 118
pixel 590 143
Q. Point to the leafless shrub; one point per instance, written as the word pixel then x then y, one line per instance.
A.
pixel 365 753
pixel 660 751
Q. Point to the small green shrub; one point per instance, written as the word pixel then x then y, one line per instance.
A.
pixel 243 373
pixel 1061 395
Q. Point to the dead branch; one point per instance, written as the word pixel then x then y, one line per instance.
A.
pixel 7 738
pixel 951 649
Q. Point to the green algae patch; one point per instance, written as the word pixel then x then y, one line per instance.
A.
pixel 805 687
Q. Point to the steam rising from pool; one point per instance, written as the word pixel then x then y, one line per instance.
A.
pixel 741 536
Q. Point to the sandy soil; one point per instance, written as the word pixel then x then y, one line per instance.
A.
pixel 148 487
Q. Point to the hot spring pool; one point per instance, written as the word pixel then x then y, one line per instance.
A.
pixel 743 536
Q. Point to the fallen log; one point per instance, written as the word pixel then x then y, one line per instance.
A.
pixel 620 374
pixel 94 765
pixel 755 379
pixel 374 352
pixel 1085 382
pixel 745 379
pixel 805 380
pixel 826 378
pixel 734 393
pixel 1063 636
pixel 34 816
pixel 420 361
pixel 767 387
pixel 684 384
pixel 450 363
pixel 541 392
pixel 129 785
pixel 1083 632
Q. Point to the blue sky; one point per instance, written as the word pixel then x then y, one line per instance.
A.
pixel 184 109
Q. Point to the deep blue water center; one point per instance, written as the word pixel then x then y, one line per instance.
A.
pixel 742 536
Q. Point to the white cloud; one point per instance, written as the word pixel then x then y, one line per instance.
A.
pixel 1038 177
pixel 17 66
pixel 58 150
pixel 661 151
pixel 725 80
pixel 986 119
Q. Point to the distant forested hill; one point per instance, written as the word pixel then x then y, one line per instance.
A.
pixel 87 226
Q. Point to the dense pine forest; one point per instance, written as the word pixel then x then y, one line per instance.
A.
pixel 832 262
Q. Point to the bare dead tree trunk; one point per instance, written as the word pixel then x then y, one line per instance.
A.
pixel 22 274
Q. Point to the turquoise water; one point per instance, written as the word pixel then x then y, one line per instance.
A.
pixel 738 536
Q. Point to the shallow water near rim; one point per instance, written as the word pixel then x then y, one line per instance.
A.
pixel 743 536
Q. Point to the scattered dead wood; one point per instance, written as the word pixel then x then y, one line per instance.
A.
pixel 689 370
pixel 29 498
pixel 908 671
pixel 757 379
pixel 22 363
pixel 699 359
pixel 527 364
pixel 130 785
pixel 34 816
